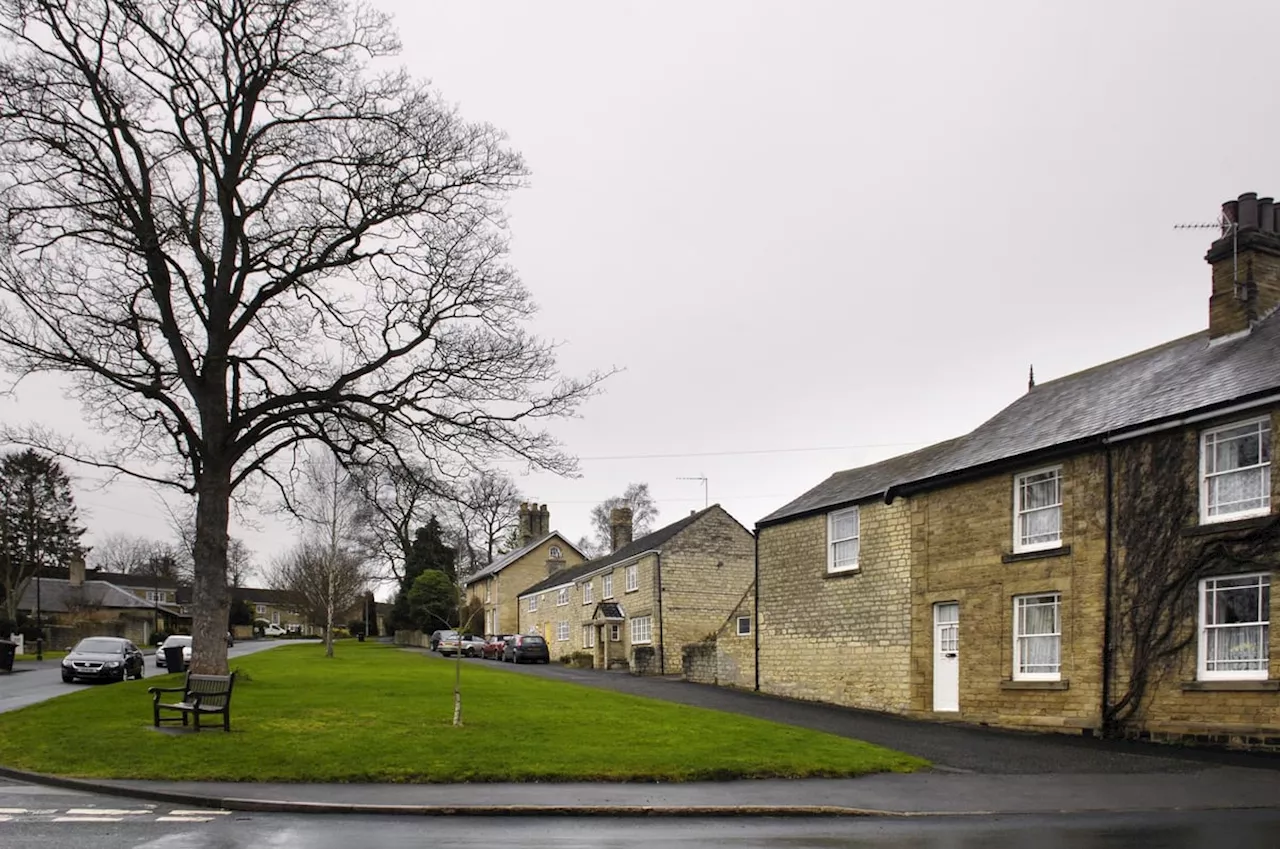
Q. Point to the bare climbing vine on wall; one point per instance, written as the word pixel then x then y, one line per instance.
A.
pixel 1158 565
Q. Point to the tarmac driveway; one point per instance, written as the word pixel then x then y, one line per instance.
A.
pixel 951 747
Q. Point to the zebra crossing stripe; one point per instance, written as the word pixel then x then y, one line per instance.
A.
pixel 105 812
pixel 5 818
pixel 88 819
pixel 199 813
pixel 13 810
pixel 184 819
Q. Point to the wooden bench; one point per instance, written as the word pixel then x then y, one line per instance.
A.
pixel 202 695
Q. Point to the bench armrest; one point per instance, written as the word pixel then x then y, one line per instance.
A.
pixel 158 690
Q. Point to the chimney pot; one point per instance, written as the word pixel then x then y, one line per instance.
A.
pixel 1248 211
pixel 1266 215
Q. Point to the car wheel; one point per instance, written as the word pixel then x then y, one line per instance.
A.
pixel 141 673
pixel 68 679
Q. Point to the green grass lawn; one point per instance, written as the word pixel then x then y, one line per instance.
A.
pixel 49 654
pixel 380 714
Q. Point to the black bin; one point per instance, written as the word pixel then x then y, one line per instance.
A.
pixel 7 652
pixel 173 659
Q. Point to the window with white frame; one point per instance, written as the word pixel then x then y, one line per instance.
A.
pixel 607 588
pixel 562 631
pixel 1235 471
pixel 262 608
pixel 1037 637
pixel 555 552
pixel 533 603
pixel 744 626
pixel 1235 625
pixel 154 596
pixel 615 633
pixel 641 630
pixel 1037 510
pixel 588 593
pixel 588 636
pixel 633 578
pixel 842 540
pixel 562 598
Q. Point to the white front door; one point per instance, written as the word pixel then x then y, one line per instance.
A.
pixel 946 656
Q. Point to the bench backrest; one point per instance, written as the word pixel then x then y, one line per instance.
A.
pixel 214 690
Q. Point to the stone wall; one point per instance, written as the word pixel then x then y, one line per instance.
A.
pixel 962 543
pixel 845 637
pixel 699 662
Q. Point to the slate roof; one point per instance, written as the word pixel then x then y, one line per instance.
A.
pixel 608 610
pixel 1156 385
pixel 648 542
pixel 58 596
pixel 512 556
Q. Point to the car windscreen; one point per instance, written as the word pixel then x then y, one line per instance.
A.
pixel 176 641
pixel 101 646
pixel 533 641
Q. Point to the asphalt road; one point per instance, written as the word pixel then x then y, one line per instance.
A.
pixel 45 821
pixel 33 682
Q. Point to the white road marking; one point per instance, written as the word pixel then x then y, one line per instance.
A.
pixel 4 818
pixel 88 819
pixel 184 819
pixel 13 810
pixel 105 812
pixel 199 813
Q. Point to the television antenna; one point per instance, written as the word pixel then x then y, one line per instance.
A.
pixel 706 502
pixel 1223 225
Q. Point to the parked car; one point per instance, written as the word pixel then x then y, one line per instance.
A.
pixel 171 641
pixel 442 634
pixel 526 647
pixel 103 659
pixel 273 630
pixel 472 646
pixel 493 647
pixel 454 643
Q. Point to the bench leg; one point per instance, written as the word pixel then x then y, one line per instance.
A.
pixel 196 717
pixel 226 720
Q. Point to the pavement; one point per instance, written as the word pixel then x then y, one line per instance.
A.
pixel 978 771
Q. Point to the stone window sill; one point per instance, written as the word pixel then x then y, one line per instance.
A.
pixel 843 573
pixel 1228 526
pixel 1231 686
pixel 1064 684
pixel 1061 551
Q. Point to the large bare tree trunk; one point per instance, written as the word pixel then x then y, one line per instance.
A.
pixel 211 601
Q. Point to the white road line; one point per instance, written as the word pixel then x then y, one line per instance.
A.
pixel 199 813
pixel 13 810
pixel 88 819
pixel 105 812
pixel 5 818
pixel 184 819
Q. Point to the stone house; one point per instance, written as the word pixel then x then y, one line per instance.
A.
pixel 640 604
pixel 1097 557
pixel 542 552
pixel 75 604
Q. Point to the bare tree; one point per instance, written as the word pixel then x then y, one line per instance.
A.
pixel 235 237
pixel 398 498
pixel 643 513
pixel 127 553
pixel 323 582
pixel 485 511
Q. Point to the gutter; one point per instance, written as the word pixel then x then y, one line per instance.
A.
pixel 1198 417
pixel 662 631
pixel 755 612
pixel 1108 636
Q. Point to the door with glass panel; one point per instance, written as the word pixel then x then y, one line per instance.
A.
pixel 946 656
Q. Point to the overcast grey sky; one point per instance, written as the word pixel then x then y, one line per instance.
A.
pixel 816 234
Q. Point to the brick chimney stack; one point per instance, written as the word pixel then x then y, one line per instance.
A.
pixel 619 527
pixel 75 572
pixel 1246 265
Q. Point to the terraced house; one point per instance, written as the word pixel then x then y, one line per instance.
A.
pixel 1097 557
pixel 640 604
pixel 541 552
